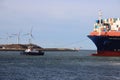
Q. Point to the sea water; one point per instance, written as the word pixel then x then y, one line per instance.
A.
pixel 58 65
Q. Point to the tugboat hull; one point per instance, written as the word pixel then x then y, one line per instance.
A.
pixel 32 53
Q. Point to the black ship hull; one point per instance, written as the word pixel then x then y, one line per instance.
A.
pixel 106 45
pixel 32 53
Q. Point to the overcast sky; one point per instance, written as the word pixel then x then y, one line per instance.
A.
pixel 56 23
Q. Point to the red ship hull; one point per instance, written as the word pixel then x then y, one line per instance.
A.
pixel 107 53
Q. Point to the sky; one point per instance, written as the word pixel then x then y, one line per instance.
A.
pixel 54 23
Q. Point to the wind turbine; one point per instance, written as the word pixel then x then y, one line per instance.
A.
pixel 1 38
pixel 8 38
pixel 30 36
pixel 18 37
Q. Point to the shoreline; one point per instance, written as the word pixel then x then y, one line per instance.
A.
pixel 43 49
pixel 23 47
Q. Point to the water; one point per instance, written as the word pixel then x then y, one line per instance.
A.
pixel 58 65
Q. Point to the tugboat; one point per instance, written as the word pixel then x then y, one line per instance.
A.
pixel 31 51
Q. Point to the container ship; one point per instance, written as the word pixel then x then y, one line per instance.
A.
pixel 106 36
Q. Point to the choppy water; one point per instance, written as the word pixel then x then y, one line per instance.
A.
pixel 59 66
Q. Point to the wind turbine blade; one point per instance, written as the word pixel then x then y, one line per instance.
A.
pixel 6 33
pixel 10 36
pixel 31 36
pixel 15 34
pixel 31 30
pixel 19 34
pixel 27 34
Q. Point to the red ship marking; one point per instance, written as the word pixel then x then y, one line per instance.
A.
pixel 107 53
